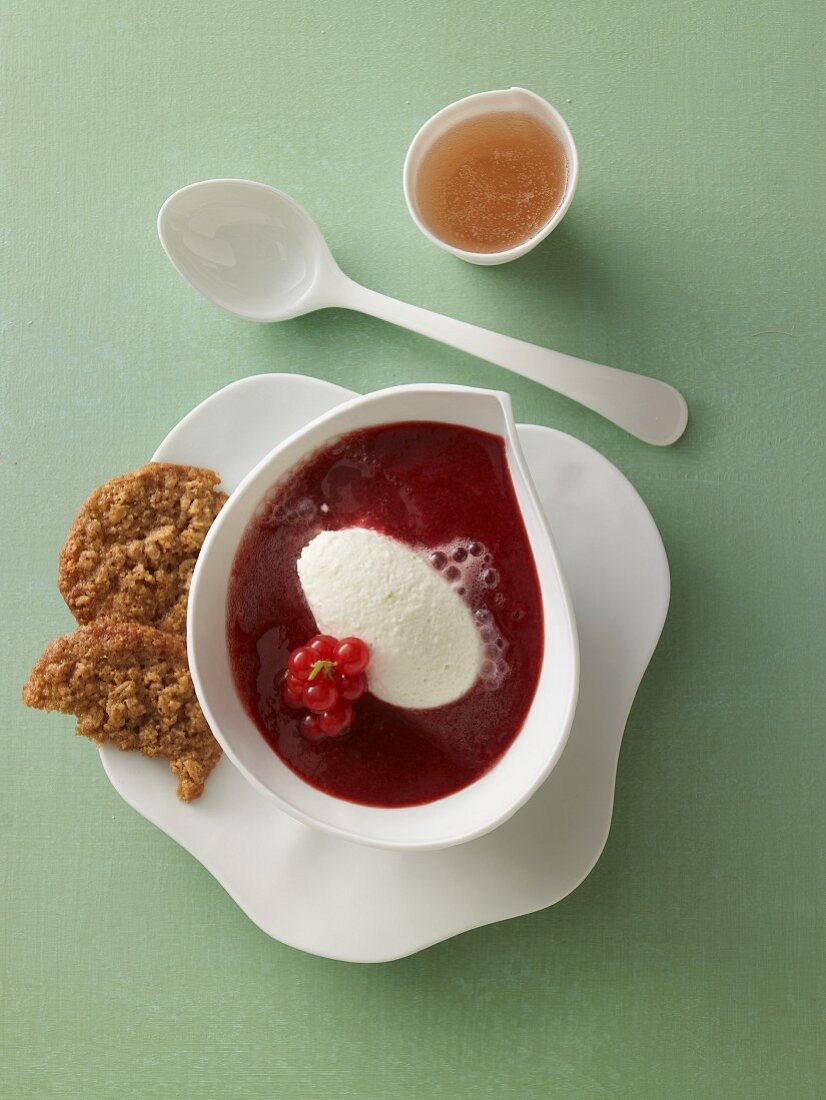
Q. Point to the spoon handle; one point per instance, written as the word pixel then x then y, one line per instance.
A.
pixel 647 408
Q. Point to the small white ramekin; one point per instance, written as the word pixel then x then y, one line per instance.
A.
pixel 508 99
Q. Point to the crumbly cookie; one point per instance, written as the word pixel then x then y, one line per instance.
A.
pixel 129 684
pixel 132 547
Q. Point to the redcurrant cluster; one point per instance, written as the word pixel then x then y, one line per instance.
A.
pixel 326 676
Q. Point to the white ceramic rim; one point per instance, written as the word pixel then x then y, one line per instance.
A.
pixel 203 684
pixel 481 103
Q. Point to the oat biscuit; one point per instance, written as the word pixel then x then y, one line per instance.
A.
pixel 132 547
pixel 129 685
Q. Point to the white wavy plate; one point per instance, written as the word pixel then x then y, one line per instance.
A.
pixel 359 904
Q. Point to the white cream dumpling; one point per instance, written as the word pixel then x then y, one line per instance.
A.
pixel 425 650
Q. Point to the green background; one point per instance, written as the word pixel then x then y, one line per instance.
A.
pixel 691 961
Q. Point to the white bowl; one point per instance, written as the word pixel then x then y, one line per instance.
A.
pixel 484 103
pixel 494 797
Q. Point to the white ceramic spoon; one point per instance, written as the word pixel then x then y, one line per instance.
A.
pixel 256 253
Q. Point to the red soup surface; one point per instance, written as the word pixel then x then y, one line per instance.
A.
pixel 446 492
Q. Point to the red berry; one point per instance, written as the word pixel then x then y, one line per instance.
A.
pixel 321 694
pixel 352 655
pixel 290 696
pixel 326 676
pixel 337 720
pixel 351 688
pixel 311 729
pixel 301 662
pixel 322 646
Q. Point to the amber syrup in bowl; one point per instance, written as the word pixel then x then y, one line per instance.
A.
pixel 492 182
pixel 490 176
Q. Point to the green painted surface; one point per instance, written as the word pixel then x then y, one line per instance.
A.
pixel 689 964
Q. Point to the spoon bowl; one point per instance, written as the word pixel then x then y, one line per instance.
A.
pixel 255 252
pixel 247 248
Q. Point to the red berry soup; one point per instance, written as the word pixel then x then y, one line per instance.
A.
pixel 443 495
